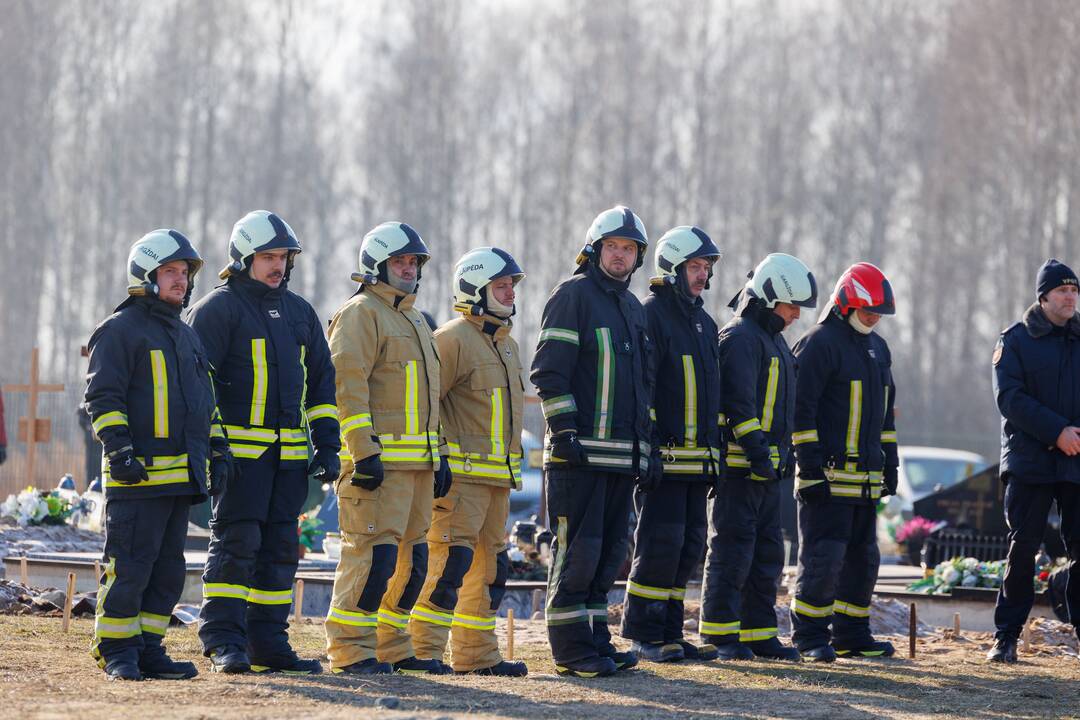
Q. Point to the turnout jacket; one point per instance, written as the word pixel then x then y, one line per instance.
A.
pixel 387 380
pixel 686 395
pixel 1037 387
pixel 149 387
pixel 591 370
pixel 844 420
pixel 757 375
pixel 272 369
pixel 482 400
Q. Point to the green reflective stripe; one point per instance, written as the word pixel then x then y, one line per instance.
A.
pixel 558 405
pixel 109 419
pixel 348 617
pixel 433 617
pixel 393 619
pixel 805 608
pixel 270 597
pixel 472 622
pixel 851 609
pixel 754 634
pixel 239 432
pixel 161 393
pixel 248 452
pixel 562 334
pixel 116 628
pixel 605 383
pixel 567 616
pixel 412 404
pixel 804 436
pixel 320 411
pixel 560 615
pixel 888 436
pixel 498 446
pixel 355 422
pixel 745 427
pixel 714 628
pixel 258 386
pixel 607 445
pixel 225 590
pixel 689 401
pixel 647 592
pixel 596 611
pixel 854 418
pixel 155 624
pixel 770 395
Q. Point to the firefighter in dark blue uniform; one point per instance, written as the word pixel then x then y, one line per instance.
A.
pixel 275 388
pixel 845 442
pixel 1037 385
pixel 746 548
pixel 672 523
pixel 151 403
pixel 590 370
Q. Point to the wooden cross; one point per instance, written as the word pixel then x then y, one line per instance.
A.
pixel 32 429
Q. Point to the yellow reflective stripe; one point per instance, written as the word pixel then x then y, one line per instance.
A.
pixel 303 388
pixel 471 622
pixel 885 407
pixel 116 628
pixel 712 628
pixel 805 608
pixel 216 431
pixel 804 436
pixel 294 435
pixel 291 452
pixel 721 419
pixel 412 405
pixel 348 617
pixel 851 610
pixel 678 593
pixel 391 440
pixel 389 617
pixel 433 617
pixel 355 422
pixel 164 462
pixel 225 590
pixel 99 611
pixel 239 432
pixel 754 634
pixel 854 418
pixel 151 623
pixel 321 411
pixel 770 394
pixel 888 436
pixel 474 467
pixel 270 597
pixel 258 386
pixel 497 445
pixel 689 401
pixel 652 414
pixel 745 427
pixel 108 420
pixel 647 592
pixel 161 393
pixel 248 452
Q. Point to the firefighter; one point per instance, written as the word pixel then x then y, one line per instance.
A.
pixel 394 465
pixel 482 407
pixel 670 538
pixel 1037 386
pixel 275 387
pixel 845 442
pixel 746 550
pixel 151 402
pixel 591 370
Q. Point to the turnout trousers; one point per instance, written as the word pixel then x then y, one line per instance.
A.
pixel 669 542
pixel 1027 506
pixel 384 559
pixel 744 562
pixel 466 579
pixel 254 551
pixel 838 567
pixel 143 576
pixel 589 512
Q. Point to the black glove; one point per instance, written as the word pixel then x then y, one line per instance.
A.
pixel 124 468
pixel 719 476
pixel 888 481
pixel 3 454
pixel 763 469
pixel 566 446
pixel 368 473
pixel 816 493
pixel 650 479
pixel 223 471
pixel 325 466
pixel 443 478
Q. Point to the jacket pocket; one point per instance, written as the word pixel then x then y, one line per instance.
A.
pixel 399 349
pixel 488 377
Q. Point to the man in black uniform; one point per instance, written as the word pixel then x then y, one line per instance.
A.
pixel 845 441
pixel 672 522
pixel 151 402
pixel 1037 385
pixel 746 547
pixel 590 370
pixel 275 386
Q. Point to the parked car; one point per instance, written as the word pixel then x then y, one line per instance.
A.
pixel 926 470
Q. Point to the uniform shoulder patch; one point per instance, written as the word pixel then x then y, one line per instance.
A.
pixel 998 350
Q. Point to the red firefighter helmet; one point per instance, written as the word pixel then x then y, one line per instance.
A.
pixel 864 286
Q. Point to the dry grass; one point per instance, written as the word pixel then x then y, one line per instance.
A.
pixel 46 674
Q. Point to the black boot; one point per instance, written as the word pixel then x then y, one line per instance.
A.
pixel 229 659
pixel 122 669
pixel 821 654
pixel 371 666
pixel 287 663
pixel 624 660
pixel 733 651
pixel 503 668
pixel 871 648
pixel 691 651
pixel 658 652
pixel 773 649
pixel 159 666
pixel 588 668
pixel 1004 650
pixel 416 666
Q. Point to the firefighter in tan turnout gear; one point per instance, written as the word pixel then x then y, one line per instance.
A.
pixel 388 404
pixel 482 406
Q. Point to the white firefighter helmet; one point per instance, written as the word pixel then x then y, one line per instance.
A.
pixel 258 231
pixel 155 249
pixel 680 244
pixel 617 222
pixel 783 278
pixel 385 241
pixel 476 269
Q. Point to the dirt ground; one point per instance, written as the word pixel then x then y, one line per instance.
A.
pixel 47 674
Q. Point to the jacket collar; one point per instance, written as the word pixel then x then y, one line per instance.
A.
pixel 154 306
pixel 671 294
pixel 490 325
pixel 254 289
pixel 834 318
pixel 1037 324
pixel 397 299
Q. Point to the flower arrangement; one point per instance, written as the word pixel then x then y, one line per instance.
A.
pixel 915 530
pixel 961 572
pixel 1046 569
pixel 37 507
pixel 308 530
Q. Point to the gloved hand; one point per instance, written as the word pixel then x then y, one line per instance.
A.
pixel 719 477
pixel 223 471
pixel 650 479
pixel 325 466
pixel 763 469
pixel 818 492
pixel 125 468
pixel 889 481
pixel 443 478
pixel 566 446
pixel 368 473
pixel 3 454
